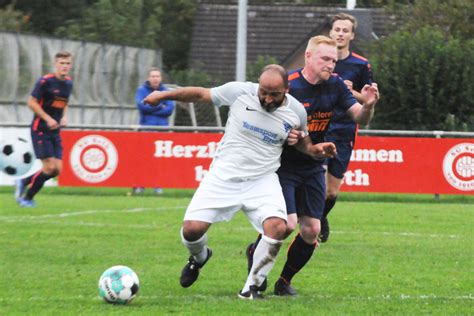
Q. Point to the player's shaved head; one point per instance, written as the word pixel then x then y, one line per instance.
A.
pixel 274 70
pixel 272 86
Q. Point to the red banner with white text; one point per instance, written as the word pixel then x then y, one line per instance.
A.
pixel 181 160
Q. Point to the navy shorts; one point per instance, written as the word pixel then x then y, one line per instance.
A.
pixel 47 144
pixel 337 166
pixel 304 192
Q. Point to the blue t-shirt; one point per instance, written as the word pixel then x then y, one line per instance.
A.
pixel 356 69
pixel 320 101
pixel 53 96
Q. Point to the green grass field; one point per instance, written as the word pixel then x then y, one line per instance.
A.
pixel 388 254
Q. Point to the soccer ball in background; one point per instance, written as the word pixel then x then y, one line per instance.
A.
pixel 16 156
pixel 118 285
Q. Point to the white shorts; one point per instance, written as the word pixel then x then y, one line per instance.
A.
pixel 216 200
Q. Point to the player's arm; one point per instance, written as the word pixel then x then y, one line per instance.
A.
pixel 186 94
pixel 355 93
pixel 34 105
pixel 305 145
pixel 363 113
pixel 63 121
pixel 366 78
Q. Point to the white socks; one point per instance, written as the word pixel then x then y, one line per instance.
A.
pixel 263 261
pixel 198 248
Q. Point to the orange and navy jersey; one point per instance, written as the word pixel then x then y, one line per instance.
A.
pixel 320 101
pixel 53 96
pixel 358 70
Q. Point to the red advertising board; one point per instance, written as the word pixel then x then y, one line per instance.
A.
pixel 180 160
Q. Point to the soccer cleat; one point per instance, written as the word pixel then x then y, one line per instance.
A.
pixel 158 191
pixel 282 288
pixel 190 271
pixel 20 188
pixel 251 294
pixel 27 203
pixel 324 234
pixel 249 253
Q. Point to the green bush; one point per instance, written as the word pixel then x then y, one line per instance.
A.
pixel 425 82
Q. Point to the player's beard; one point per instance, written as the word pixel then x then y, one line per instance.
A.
pixel 325 75
pixel 272 106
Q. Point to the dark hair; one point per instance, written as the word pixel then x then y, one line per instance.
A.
pixel 279 70
pixel 62 54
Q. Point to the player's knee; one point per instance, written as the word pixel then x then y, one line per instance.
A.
pixel 193 230
pixel 331 195
pixel 51 171
pixel 309 233
pixel 275 228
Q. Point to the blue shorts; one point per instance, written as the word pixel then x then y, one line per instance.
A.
pixel 304 192
pixel 47 144
pixel 337 166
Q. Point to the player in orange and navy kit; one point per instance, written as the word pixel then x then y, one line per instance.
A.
pixel 302 178
pixel 356 72
pixel 49 102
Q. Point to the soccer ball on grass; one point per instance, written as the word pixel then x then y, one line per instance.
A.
pixel 16 156
pixel 118 285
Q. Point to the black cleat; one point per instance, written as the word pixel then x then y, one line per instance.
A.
pixel 249 253
pixel 324 235
pixel 251 294
pixel 282 288
pixel 190 271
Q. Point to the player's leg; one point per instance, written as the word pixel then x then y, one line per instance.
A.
pixel 264 206
pixel 48 148
pixel 49 170
pixel 336 168
pixel 290 227
pixel 215 200
pixel 310 203
pixel 333 187
pixel 289 181
pixel 194 238
pixel 299 253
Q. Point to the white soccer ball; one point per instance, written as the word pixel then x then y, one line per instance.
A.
pixel 118 285
pixel 16 156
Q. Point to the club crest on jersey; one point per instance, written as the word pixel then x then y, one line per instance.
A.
pixel 287 127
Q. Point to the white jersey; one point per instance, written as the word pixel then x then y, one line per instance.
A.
pixel 254 138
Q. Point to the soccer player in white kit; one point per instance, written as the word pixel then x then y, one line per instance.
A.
pixel 242 176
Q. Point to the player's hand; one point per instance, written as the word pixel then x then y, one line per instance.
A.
pixel 349 85
pixel 52 123
pixel 294 136
pixel 153 98
pixel 370 93
pixel 324 150
pixel 63 121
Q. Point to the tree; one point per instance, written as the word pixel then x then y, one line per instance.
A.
pixel 44 16
pixel 453 17
pixel 425 81
pixel 13 20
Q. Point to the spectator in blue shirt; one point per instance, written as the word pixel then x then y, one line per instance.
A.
pixel 153 115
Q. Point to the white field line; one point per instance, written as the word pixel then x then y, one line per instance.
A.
pixel 69 214
pixel 44 219
pixel 381 297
